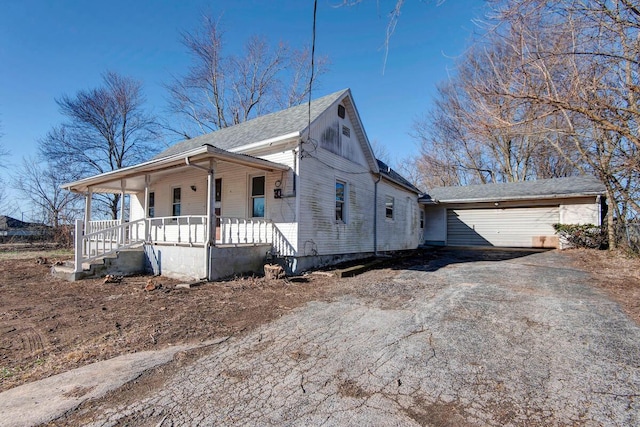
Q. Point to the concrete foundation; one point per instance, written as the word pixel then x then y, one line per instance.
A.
pixel 237 260
pixel 298 265
pixel 179 262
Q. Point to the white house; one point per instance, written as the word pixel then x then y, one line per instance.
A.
pixel 300 187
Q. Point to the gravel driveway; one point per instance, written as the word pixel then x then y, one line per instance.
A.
pixel 520 339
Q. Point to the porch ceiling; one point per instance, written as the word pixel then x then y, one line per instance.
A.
pixel 133 177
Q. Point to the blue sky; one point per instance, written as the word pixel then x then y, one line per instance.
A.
pixel 53 47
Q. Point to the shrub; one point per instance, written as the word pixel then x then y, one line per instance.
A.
pixel 583 236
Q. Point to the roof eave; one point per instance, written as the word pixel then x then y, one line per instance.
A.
pixel 171 162
pixel 401 184
pixel 515 198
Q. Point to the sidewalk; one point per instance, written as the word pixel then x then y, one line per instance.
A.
pixel 47 399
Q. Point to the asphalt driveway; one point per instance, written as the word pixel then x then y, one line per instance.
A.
pixel 518 340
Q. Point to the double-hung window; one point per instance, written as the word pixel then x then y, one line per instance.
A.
pixel 388 207
pixel 257 196
pixel 175 202
pixel 152 205
pixel 341 211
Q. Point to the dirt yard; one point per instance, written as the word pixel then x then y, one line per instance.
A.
pixel 48 326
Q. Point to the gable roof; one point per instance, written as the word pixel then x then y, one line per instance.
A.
pixel 540 189
pixel 281 124
pixel 394 176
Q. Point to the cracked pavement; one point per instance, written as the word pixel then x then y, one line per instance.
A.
pixel 519 341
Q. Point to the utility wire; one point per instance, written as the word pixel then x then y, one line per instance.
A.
pixel 313 53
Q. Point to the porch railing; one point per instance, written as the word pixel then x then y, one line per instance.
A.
pixel 243 231
pixel 100 225
pixel 105 241
pixel 190 230
pixel 103 238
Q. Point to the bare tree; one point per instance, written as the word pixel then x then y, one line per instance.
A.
pixel 40 184
pixel 222 90
pixel 476 134
pixel 106 129
pixel 585 56
pixel 4 153
pixel 380 151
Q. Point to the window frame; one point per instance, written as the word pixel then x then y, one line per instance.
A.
pixel 175 204
pixel 253 197
pixel 151 208
pixel 343 203
pixel 388 210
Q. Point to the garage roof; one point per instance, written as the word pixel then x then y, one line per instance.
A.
pixel 574 186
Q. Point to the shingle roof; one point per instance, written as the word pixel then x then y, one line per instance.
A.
pixel 280 123
pixel 395 176
pixel 542 188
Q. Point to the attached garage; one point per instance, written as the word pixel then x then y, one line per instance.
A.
pixel 517 215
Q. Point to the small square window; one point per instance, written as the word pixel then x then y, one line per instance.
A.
pixel 388 207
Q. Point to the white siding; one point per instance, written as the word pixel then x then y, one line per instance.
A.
pixel 587 212
pixel 328 134
pixel 136 206
pixel 319 232
pixel 403 231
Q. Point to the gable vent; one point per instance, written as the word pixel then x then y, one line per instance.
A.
pixel 341 112
pixel 346 131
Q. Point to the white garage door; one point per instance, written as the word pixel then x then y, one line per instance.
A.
pixel 511 227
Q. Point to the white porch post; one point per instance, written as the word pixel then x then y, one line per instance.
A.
pixel 87 207
pixel 122 193
pixel 147 224
pixel 211 216
pixel 77 258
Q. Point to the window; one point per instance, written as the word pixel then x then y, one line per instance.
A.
pixel 257 197
pixel 340 207
pixel 388 207
pixel 218 189
pixel 421 218
pixel 175 203
pixel 152 205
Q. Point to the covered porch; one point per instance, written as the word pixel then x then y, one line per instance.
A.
pixel 177 202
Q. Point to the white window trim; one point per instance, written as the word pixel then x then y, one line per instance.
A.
pixel 345 202
pixel 251 197
pixel 153 206
pixel 393 208
pixel 173 204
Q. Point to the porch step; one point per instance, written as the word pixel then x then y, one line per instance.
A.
pixel 123 263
